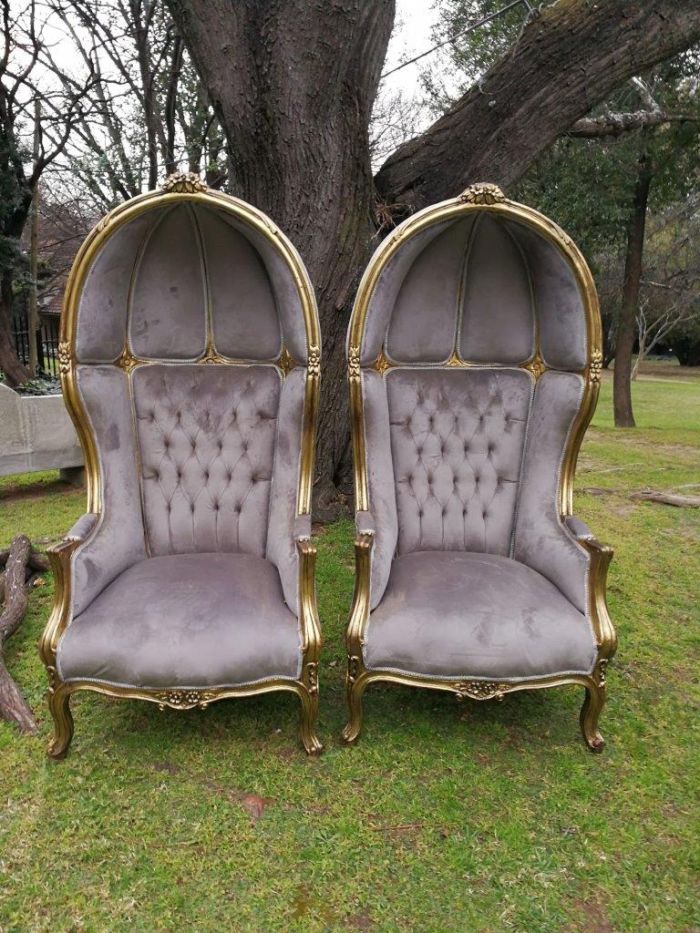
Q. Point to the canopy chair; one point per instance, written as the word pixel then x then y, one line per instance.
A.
pixel 474 361
pixel 189 359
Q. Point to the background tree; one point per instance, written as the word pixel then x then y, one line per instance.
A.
pixel 149 113
pixel 22 44
pixel 636 151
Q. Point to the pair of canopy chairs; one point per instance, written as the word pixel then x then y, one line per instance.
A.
pixel 190 361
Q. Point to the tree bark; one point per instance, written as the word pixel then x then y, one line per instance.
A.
pixel 568 59
pixel 626 328
pixel 14 371
pixel 13 706
pixel 293 84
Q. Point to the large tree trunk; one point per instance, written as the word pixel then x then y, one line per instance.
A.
pixel 293 84
pixel 626 328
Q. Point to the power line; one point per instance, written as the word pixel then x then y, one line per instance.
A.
pixel 462 32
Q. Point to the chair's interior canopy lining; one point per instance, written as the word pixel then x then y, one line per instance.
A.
pixel 173 275
pixel 485 286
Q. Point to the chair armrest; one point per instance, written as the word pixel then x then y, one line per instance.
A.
pixel 302 528
pixel 364 523
pixel 578 528
pixel 82 528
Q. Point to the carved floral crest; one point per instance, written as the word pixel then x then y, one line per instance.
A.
pixel 183 183
pixel 482 194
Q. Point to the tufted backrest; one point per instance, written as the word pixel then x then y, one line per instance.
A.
pixel 190 326
pixel 457 442
pixel 466 320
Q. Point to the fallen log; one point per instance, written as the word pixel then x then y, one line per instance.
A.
pixel 667 498
pixel 13 706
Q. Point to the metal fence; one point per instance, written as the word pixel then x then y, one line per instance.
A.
pixel 46 342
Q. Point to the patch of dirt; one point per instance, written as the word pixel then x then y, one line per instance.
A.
pixel 167 767
pixel 594 918
pixel 57 488
pixel 361 921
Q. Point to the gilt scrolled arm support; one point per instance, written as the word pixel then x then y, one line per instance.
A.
pixel 599 556
pixel 308 610
pixel 60 556
pixel 359 613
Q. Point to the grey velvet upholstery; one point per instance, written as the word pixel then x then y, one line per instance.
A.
pixel 102 313
pixel 483 615
pixel 207 441
pixel 474 572
pixel 457 439
pixel 185 620
pixel 189 574
pixel 118 538
pixel 541 539
pixel 380 469
pixel 284 526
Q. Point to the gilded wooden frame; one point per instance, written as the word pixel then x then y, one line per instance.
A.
pixel 488 198
pixel 186 187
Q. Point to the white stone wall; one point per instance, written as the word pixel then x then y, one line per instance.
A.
pixel 36 433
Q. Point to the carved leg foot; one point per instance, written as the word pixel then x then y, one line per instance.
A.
pixel 309 719
pixel 59 707
pixel 590 713
pixel 356 688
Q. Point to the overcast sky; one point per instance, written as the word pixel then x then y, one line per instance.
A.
pixel 412 35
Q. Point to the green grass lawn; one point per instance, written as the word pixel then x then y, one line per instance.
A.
pixel 446 816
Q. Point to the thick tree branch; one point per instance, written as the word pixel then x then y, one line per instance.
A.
pixel 615 124
pixel 566 61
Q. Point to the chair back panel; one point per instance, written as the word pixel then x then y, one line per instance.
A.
pixel 207 443
pixel 167 311
pixel 457 441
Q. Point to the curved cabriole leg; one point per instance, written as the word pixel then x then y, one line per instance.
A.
pixel 59 707
pixel 309 719
pixel 356 688
pixel 590 713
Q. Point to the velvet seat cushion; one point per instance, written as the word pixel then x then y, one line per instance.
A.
pixel 194 620
pixel 467 615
